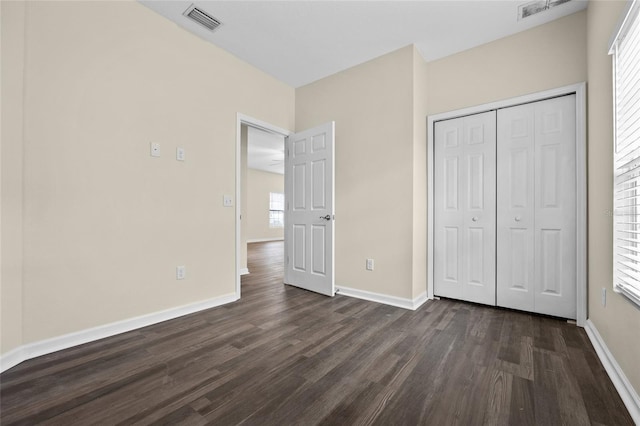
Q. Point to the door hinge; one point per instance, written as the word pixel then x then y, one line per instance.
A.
pixel 287 260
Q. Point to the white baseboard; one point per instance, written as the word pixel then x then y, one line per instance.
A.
pixel 419 301
pixel 264 240
pixel 627 393
pixel 12 358
pixel 399 302
pixel 66 341
pixel 244 271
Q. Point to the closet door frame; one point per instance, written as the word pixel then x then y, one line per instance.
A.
pixel 581 181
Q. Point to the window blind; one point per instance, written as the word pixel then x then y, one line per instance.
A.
pixel 626 195
pixel 276 210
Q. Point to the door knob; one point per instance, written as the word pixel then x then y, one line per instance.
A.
pixel 518 218
pixel 327 217
pixel 475 218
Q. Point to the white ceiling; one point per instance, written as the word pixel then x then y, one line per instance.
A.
pixel 299 42
pixel 265 151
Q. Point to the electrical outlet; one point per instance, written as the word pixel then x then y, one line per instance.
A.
pixel 181 272
pixel 369 264
pixel 227 201
pixel 604 296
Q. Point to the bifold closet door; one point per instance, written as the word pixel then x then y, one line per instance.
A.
pixel 465 208
pixel 536 185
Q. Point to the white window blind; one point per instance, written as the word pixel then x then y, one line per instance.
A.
pixel 626 192
pixel 276 210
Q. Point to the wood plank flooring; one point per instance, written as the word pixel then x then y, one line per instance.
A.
pixel 285 356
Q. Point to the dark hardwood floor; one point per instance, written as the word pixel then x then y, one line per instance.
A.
pixel 285 356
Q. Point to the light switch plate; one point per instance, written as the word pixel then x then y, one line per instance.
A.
pixel 227 201
pixel 369 264
pixel 155 149
pixel 180 154
pixel 181 272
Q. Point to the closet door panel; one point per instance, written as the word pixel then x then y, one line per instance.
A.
pixel 464 223
pixel 479 220
pixel 536 181
pixel 449 196
pixel 555 207
pixel 515 215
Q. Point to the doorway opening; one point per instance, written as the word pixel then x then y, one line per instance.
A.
pixel 260 197
pixel 262 188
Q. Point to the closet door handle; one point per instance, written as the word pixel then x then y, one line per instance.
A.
pixel 475 218
pixel 517 218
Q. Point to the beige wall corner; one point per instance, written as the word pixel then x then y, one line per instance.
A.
pixel 105 224
pixel 259 185
pixel 619 321
pixel 545 57
pixel 12 15
pixel 371 105
pixel 420 95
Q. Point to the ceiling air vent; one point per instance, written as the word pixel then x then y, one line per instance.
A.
pixel 531 8
pixel 202 18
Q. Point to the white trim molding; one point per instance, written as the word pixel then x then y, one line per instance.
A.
pixel 627 393
pixel 399 302
pixel 43 347
pixel 12 358
pixel 419 301
pixel 244 271
pixel 581 181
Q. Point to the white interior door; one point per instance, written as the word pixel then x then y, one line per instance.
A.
pixel 465 208
pixel 309 213
pixel 537 214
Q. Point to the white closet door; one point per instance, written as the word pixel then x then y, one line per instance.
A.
pixel 516 213
pixel 537 209
pixel 465 203
pixel 555 237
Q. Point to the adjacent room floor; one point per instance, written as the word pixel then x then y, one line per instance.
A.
pixel 285 356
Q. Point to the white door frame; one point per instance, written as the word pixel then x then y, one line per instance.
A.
pixel 581 180
pixel 262 125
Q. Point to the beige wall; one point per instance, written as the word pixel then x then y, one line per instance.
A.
pixel 380 108
pixel 545 57
pixel 420 96
pixel 259 185
pixel 12 24
pixel 618 322
pixel 372 105
pixel 104 223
